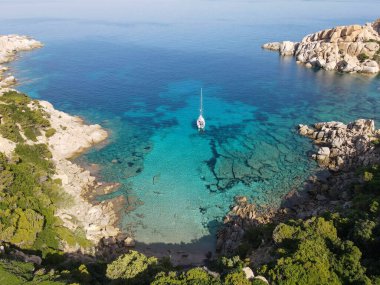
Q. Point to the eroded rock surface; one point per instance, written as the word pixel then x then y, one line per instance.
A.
pixel 11 44
pixel 351 48
pixel 340 146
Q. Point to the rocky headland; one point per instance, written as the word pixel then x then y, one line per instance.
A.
pixel 352 48
pixel 68 137
pixel 341 150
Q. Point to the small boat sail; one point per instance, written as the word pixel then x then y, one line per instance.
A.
pixel 201 123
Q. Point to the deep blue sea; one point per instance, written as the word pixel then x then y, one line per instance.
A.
pixel 136 68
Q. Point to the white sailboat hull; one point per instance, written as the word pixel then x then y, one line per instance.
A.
pixel 201 123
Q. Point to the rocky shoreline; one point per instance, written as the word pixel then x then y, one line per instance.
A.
pixel 341 149
pixel 98 220
pixel 352 48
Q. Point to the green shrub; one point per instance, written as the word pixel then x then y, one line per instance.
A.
pixel 129 265
pixel 20 273
pixel 236 278
pixel 258 282
pixel 226 263
pixel 315 256
pixel 50 132
pixel 368 176
pixel 362 57
pixel 195 276
pixel 163 278
pixel 29 224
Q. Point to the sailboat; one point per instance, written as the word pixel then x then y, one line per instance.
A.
pixel 201 123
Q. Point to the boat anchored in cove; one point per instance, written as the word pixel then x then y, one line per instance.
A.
pixel 201 123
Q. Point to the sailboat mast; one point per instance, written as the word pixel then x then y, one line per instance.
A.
pixel 201 110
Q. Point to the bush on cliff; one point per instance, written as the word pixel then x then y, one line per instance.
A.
pixel 50 132
pixel 236 277
pixel 18 117
pixel 310 252
pixel 21 273
pixel 195 276
pixel 28 199
pixel 130 266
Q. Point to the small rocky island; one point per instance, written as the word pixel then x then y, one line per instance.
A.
pixel 352 48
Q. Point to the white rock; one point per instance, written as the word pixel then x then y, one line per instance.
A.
pixel 11 44
pixel 287 48
pixel 129 242
pixel 370 66
pixel 248 273
pixel 335 49
pixel 8 81
pixel 272 46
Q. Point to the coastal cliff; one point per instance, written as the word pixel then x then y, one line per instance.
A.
pixel 336 211
pixel 64 136
pixel 352 48
pixel 341 150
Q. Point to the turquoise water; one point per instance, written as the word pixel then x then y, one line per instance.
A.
pixel 139 75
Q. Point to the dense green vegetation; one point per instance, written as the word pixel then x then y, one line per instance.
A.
pixel 20 114
pixel 28 194
pixel 338 248
pixel 29 197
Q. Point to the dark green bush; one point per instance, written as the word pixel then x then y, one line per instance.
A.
pixel 50 132
pixel 130 265
pixel 362 57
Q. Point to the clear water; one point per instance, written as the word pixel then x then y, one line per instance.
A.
pixel 137 67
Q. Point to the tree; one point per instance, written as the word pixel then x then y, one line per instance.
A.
pixel 130 265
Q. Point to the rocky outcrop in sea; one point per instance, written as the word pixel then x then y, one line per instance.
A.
pixel 352 48
pixel 10 45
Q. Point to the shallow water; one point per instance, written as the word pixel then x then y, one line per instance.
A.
pixel 139 74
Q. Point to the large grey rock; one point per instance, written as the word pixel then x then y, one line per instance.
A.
pixel 287 48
